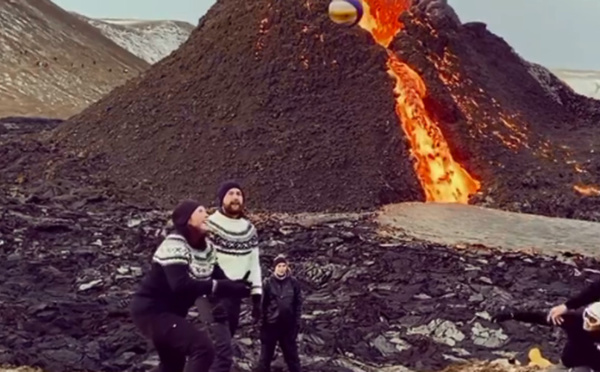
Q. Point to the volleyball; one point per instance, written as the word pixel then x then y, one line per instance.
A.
pixel 345 12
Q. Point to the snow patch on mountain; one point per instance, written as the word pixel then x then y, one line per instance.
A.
pixel 148 40
pixel 586 83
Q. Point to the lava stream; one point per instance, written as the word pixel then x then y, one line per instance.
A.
pixel 442 179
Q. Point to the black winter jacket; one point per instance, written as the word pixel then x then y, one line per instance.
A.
pixel 281 301
pixel 590 294
pixel 585 345
pixel 179 274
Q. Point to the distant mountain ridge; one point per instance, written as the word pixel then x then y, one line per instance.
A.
pixel 52 64
pixel 584 82
pixel 150 40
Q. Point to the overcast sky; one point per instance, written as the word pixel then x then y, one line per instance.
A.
pixel 555 33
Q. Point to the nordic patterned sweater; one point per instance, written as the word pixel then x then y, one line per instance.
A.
pixel 236 243
pixel 178 275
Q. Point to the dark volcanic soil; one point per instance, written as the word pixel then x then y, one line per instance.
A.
pixel 16 125
pixel 302 111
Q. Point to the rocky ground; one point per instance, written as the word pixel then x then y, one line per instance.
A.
pixel 67 275
pixel 468 367
pixel 71 253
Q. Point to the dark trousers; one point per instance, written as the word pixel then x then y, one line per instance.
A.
pixel 284 335
pixel 219 332
pixel 174 339
pixel 233 307
pixel 579 354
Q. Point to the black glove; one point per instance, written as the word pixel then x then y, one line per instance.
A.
pixel 245 279
pixel 502 317
pixel 219 313
pixel 232 288
pixel 256 310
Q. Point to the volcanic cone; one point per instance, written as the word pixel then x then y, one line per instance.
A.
pixel 311 116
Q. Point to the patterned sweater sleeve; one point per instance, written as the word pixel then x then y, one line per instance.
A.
pixel 255 270
pixel 174 257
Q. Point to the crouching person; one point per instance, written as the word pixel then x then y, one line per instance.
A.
pixel 582 329
pixel 182 270
pixel 281 311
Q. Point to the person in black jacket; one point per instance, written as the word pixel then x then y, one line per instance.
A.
pixel 585 297
pixel 281 311
pixel 184 267
pixel 583 333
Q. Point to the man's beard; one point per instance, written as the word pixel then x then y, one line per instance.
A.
pixel 234 209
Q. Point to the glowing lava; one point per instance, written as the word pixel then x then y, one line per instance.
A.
pixel 442 179
pixel 587 190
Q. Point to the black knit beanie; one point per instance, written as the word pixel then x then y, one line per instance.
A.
pixel 224 188
pixel 280 259
pixel 181 215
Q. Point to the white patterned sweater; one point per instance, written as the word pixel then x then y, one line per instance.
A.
pixel 176 250
pixel 236 243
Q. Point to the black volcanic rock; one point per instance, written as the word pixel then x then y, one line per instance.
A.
pixel 67 276
pixel 72 251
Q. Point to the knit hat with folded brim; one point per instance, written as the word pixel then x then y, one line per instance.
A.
pixel 280 259
pixel 225 187
pixel 182 213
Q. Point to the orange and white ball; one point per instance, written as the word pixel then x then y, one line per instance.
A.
pixel 346 12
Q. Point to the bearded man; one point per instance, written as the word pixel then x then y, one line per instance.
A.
pixel 236 242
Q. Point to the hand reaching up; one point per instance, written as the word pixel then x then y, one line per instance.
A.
pixel 555 314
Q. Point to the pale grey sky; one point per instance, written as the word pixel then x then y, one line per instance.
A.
pixel 555 33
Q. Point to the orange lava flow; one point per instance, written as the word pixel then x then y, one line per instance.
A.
pixel 442 179
pixel 587 190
